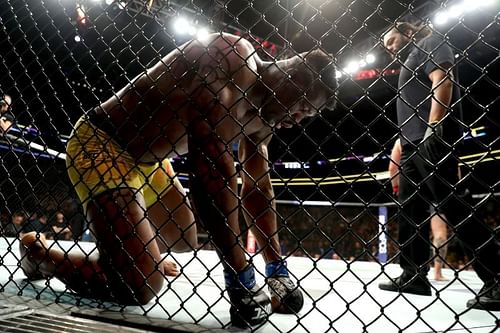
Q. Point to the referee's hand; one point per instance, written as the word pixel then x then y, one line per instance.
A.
pixel 433 147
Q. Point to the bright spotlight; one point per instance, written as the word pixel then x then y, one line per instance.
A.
pixel 370 58
pixel 352 67
pixel 122 4
pixel 181 25
pixel 202 34
pixel 457 10
pixel 192 30
pixel 487 2
pixel 338 74
pixel 109 2
pixel 441 18
pixel 477 3
pixel 78 39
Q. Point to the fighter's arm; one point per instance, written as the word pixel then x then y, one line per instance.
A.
pixel 257 193
pixel 214 177
pixel 210 133
pixel 213 127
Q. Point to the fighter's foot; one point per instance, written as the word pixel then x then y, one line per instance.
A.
pixel 440 278
pixel 250 308
pixel 33 249
pixel 286 297
pixel 170 268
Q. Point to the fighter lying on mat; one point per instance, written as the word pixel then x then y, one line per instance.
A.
pixel 199 100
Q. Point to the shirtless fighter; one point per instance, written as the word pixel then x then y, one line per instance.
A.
pixel 197 101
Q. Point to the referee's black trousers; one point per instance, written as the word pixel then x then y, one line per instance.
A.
pixel 427 181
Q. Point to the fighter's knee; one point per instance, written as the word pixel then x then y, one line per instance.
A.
pixel 148 292
pixel 144 297
pixel 28 238
pixel 440 248
pixel 187 242
pixel 439 242
pixel 185 245
pixel 35 242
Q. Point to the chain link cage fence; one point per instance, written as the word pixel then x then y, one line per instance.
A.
pixel 133 130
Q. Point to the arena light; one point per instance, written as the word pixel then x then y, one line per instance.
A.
pixel 78 39
pixel 456 10
pixel 460 9
pixel 370 58
pixel 440 18
pixel 352 67
pixel 192 30
pixel 475 3
pixel 202 34
pixel 181 25
pixel 109 2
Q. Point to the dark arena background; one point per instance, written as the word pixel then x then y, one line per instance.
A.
pixel 337 216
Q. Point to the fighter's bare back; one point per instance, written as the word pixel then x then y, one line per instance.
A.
pixel 196 82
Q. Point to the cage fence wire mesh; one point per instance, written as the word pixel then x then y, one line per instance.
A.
pixel 232 163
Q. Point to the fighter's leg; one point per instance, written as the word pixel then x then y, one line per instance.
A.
pixel 129 255
pixel 75 268
pixel 173 217
pixel 128 268
pixel 439 244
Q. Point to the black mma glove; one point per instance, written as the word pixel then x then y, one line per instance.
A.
pixel 433 147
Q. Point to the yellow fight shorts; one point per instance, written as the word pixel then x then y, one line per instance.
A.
pixel 96 163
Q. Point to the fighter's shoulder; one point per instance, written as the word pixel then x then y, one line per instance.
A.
pixel 218 46
pixel 235 43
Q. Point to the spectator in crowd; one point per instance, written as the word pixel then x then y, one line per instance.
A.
pixel 38 223
pixel 439 228
pixel 61 230
pixel 5 222
pixel 429 117
pixel 16 225
pixel 6 117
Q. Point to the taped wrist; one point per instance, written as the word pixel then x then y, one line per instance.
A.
pixel 240 280
pixel 276 269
